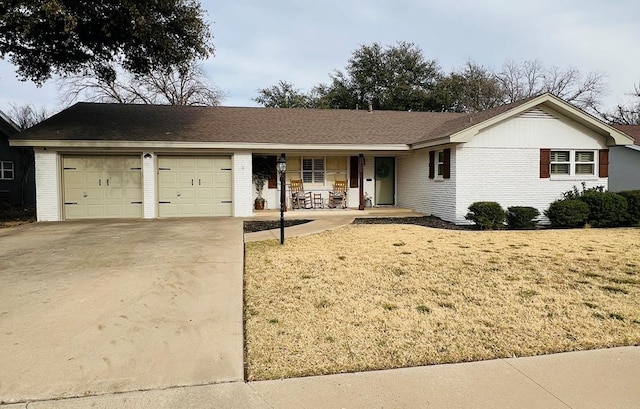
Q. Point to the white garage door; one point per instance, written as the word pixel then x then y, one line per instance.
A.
pixel 97 187
pixel 191 186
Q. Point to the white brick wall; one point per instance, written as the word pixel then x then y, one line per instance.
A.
pixel 149 183
pixel 431 196
pixel 242 185
pixel 509 176
pixel 502 163
pixel 47 185
pixel 412 180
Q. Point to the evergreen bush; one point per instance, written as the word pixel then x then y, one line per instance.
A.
pixel 606 209
pixel 521 217
pixel 633 206
pixel 566 213
pixel 486 215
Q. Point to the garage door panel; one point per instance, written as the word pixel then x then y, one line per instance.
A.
pixel 132 194
pixel 224 209
pixel 102 186
pixel 167 179
pixel 205 193
pixel 187 194
pixel 186 179
pixel 205 179
pixel 197 181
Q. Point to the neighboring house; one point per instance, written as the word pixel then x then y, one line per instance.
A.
pixel 624 171
pixel 145 161
pixel 16 171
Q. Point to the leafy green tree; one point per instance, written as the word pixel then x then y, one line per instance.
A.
pixel 473 89
pixel 283 95
pixel 393 78
pixel 45 37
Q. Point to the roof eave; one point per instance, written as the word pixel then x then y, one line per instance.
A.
pixel 431 143
pixel 62 144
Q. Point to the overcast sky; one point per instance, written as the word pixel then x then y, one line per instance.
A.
pixel 259 43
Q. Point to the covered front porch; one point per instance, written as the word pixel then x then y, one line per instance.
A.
pixel 371 181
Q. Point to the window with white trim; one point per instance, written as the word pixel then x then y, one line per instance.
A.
pixel 313 170
pixel 6 170
pixel 573 162
pixel 440 163
pixel 585 163
pixel 319 170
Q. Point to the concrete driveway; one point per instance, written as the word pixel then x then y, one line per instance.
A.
pixel 110 306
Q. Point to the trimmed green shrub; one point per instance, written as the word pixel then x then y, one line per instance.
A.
pixel 521 217
pixel 576 193
pixel 606 209
pixel 633 206
pixel 568 213
pixel 486 215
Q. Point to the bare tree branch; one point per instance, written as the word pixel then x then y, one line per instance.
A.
pixel 180 86
pixel 529 78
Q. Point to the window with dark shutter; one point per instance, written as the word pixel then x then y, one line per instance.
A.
pixel 353 171
pixel 545 162
pixel 446 171
pixel 432 164
pixel 603 163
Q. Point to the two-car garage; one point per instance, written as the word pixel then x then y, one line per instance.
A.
pixel 112 186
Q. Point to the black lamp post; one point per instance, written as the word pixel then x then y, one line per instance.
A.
pixel 282 168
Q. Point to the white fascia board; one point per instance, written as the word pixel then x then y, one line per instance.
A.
pixel 430 144
pixel 634 147
pixel 151 145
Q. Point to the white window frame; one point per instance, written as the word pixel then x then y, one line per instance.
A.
pixel 329 172
pixel 7 167
pixel 591 162
pixel 573 163
pixel 439 164
pixel 314 171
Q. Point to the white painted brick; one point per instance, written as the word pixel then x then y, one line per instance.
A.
pixel 149 183
pixel 509 176
pixel 416 191
pixel 47 188
pixel 242 185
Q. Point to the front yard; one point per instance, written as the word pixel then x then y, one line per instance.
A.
pixel 366 297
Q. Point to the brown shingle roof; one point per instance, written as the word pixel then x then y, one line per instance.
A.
pixel 458 124
pixel 631 130
pixel 117 122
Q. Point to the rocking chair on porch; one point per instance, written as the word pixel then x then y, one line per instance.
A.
pixel 338 197
pixel 299 198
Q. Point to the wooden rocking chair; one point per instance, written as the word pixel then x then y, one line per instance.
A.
pixel 338 197
pixel 299 198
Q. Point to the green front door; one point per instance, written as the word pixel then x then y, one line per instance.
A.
pixel 385 173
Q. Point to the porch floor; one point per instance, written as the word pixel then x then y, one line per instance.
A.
pixel 271 214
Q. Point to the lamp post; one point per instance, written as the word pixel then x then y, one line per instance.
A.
pixel 282 168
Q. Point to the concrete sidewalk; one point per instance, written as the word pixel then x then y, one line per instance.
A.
pixel 608 378
pixel 321 220
pixel 315 226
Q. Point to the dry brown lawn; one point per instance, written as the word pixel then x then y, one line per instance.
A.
pixel 366 297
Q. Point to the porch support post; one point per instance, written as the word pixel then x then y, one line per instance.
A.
pixel 361 180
